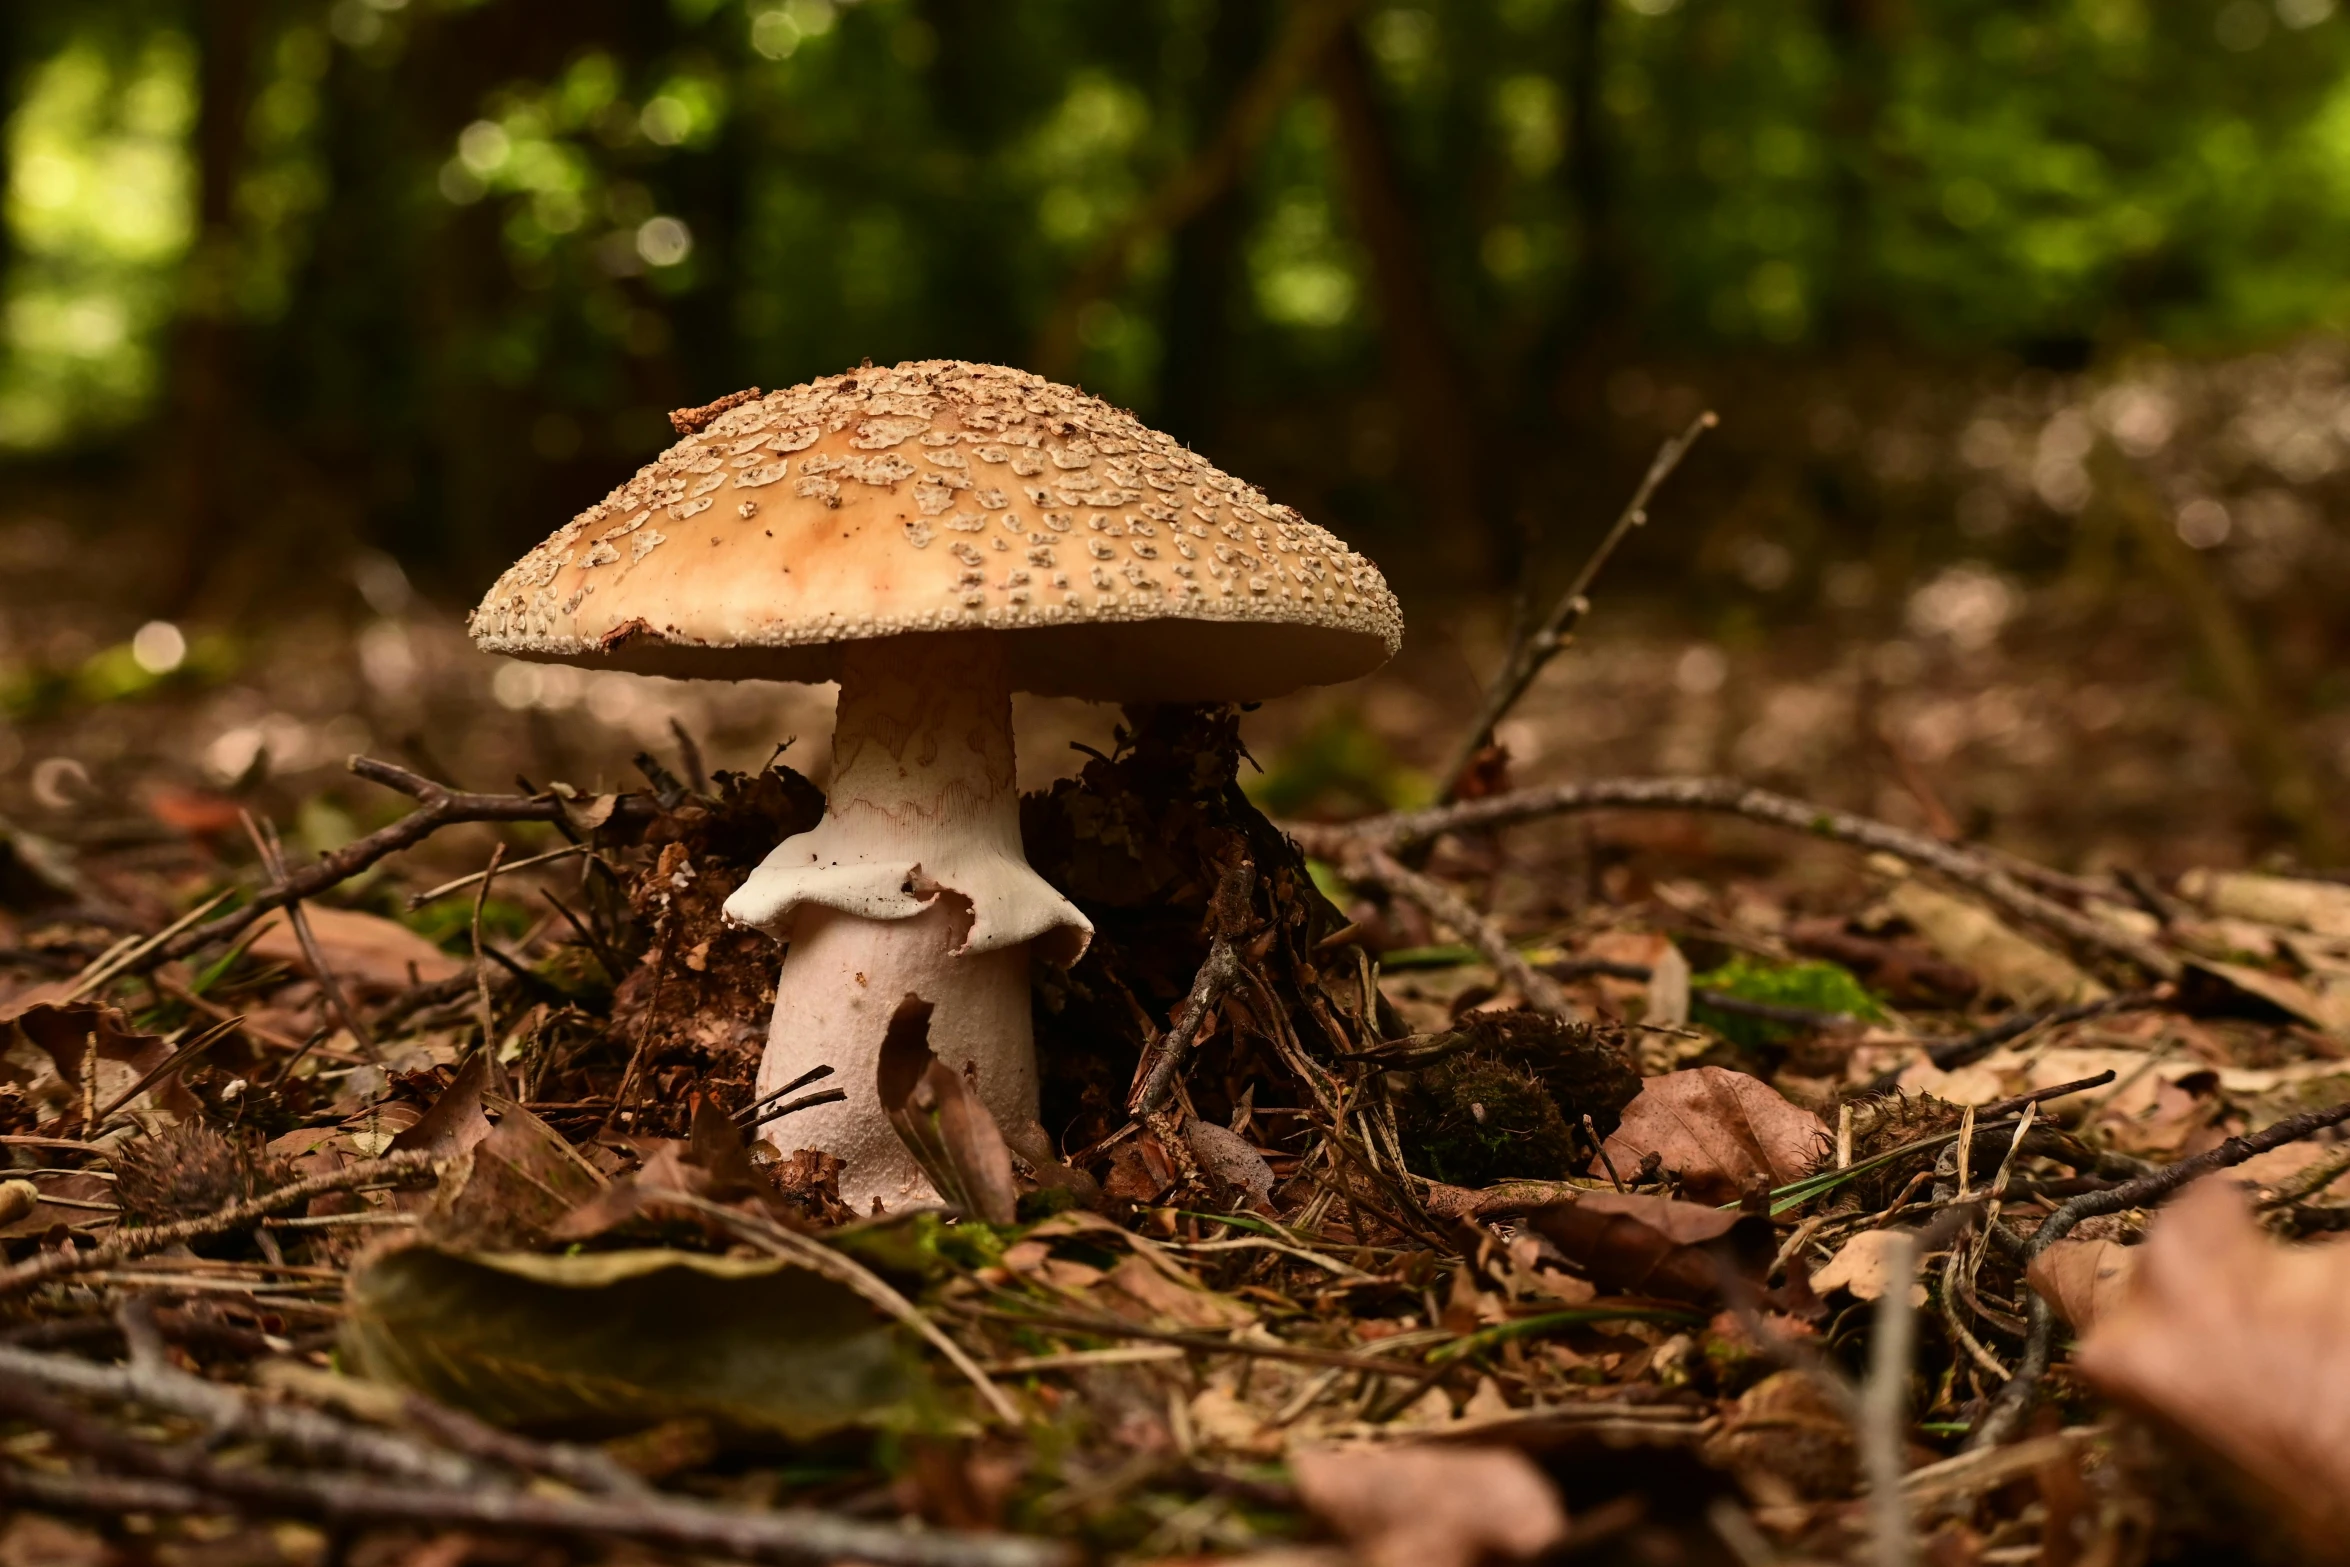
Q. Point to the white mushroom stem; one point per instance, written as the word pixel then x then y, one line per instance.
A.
pixel 914 882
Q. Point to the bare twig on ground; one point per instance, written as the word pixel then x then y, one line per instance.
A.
pixel 228 1414
pixel 184 1479
pixel 2015 1400
pixel 481 973
pixel 1215 980
pixel 1883 1425
pixel 441 808
pixel 1729 796
pixel 273 860
pixel 1538 644
pixel 417 900
pixel 44 1266
pixel 1364 860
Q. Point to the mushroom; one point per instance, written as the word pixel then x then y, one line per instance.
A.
pixel 933 537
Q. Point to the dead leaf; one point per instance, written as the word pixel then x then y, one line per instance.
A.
pixel 1717 1130
pixel 510 1189
pixel 1975 939
pixel 941 1120
pixel 1647 1245
pixel 618 1339
pixel 1428 1506
pixel 1227 1158
pixel 1863 1269
pixel 455 1122
pixel 2320 906
pixel 1787 1435
pixel 1138 1291
pixel 2082 1280
pixel 2241 1343
pixel 366 951
pixel 48 1052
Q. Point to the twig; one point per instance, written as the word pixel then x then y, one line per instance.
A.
pixel 1215 979
pixel 813 1074
pixel 1538 645
pixel 47 1265
pixel 172 1065
pixel 816 1257
pixel 441 808
pixel 1970 1048
pixel 2015 1400
pixel 273 860
pixel 119 959
pixel 481 974
pixel 1732 797
pixel 188 1480
pixel 230 1415
pixel 1365 861
pixel 417 900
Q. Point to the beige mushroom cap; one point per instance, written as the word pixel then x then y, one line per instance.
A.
pixel 942 496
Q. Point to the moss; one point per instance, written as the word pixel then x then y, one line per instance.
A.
pixel 1814 987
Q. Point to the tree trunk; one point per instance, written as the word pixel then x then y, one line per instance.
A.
pixel 203 430
pixel 1206 262
pixel 1458 489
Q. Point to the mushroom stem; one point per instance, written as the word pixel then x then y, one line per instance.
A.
pixel 914 883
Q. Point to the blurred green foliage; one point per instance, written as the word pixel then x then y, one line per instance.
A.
pixel 462 254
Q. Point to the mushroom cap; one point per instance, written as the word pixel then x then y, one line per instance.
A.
pixel 942 496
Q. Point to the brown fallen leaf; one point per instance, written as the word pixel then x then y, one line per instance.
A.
pixel 1432 1506
pixel 1717 1130
pixel 1862 1269
pixel 941 1120
pixel 366 951
pixel 1227 1158
pixel 2082 1280
pixel 1647 1245
pixel 46 1048
pixel 2242 1344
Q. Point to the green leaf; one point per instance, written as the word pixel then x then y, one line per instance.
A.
pixel 621 1339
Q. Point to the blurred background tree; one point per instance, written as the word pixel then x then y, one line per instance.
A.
pixel 288 280
pixel 426 273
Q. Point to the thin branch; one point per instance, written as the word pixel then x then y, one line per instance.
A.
pixel 230 1415
pixel 1882 1423
pixel 1209 986
pixel 2015 1400
pixel 189 1480
pixel 273 859
pixel 44 1266
pixel 417 900
pixel 441 807
pixel 1730 796
pixel 1539 644
pixel 1365 862
pixel 481 973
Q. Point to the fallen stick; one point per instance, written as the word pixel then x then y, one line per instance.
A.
pixel 441 807
pixel 227 1414
pixel 1209 986
pixel 188 1479
pixel 1729 796
pixel 1538 645
pixel 1368 862
pixel 2015 1400
pixel 47 1265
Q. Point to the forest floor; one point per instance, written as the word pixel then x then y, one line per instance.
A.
pixel 1615 1166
